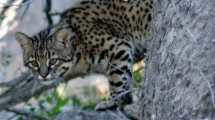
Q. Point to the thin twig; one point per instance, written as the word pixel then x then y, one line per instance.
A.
pixel 47 9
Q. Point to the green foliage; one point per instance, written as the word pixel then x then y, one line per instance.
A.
pixel 59 101
pixel 20 118
pixel 52 103
pixel 49 105
pixel 137 76
pixel 89 105
pixel 89 102
pixel 104 98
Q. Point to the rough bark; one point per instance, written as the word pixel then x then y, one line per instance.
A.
pixel 180 68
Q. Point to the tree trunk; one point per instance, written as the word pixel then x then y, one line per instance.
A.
pixel 180 68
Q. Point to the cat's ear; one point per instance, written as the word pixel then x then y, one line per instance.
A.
pixel 63 36
pixel 24 41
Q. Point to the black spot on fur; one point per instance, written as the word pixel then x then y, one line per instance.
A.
pixel 119 54
pixel 78 56
pixel 112 46
pixel 103 55
pixel 125 57
pixel 117 71
pixel 149 18
pixel 116 84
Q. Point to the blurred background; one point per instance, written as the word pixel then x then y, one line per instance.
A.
pixel 31 16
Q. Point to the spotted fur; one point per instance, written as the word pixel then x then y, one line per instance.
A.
pixel 103 36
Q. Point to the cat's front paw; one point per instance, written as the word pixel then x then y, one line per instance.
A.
pixel 107 105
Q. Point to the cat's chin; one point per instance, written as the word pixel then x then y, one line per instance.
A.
pixel 47 82
pixel 50 81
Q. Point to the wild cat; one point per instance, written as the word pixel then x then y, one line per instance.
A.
pixel 99 36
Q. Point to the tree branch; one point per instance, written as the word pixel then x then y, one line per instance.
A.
pixel 22 89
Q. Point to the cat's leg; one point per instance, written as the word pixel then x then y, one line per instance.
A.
pixel 120 80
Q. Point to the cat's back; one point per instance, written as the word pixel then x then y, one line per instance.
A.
pixel 130 16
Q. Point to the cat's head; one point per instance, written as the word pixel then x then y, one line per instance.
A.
pixel 47 54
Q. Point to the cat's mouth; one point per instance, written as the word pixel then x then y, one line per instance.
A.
pixel 51 77
pixel 49 80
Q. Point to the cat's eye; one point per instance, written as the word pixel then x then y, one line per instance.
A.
pixel 34 63
pixel 53 61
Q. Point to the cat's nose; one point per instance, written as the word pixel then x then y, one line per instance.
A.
pixel 43 71
pixel 44 75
